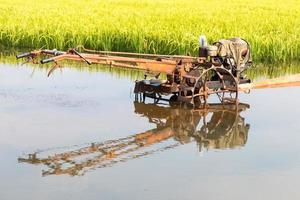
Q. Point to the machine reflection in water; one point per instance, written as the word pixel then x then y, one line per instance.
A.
pixel 216 126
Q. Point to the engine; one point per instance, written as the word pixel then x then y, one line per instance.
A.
pixel 234 54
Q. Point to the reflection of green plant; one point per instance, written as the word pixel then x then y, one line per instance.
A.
pixel 272 71
pixel 153 26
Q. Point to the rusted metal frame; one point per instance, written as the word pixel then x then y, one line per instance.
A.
pixel 46 52
pixel 211 85
pixel 30 59
pixel 163 88
pixel 221 90
pixel 167 67
pixel 208 86
pixel 157 57
pixel 97 57
pixel 53 68
pixel 135 54
pixel 203 93
pixel 171 65
pixel 227 89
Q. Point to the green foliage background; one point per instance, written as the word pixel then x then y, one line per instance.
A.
pixel 153 26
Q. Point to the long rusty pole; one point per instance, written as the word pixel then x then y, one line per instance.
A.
pixel 286 81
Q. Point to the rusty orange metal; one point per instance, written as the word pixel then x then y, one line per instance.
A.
pixel 189 79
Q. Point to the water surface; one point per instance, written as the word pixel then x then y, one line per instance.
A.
pixel 81 135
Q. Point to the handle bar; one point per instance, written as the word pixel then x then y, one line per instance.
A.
pixel 24 55
pixel 46 51
pixel 47 60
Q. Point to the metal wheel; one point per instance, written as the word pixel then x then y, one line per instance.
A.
pixel 216 80
pixel 228 92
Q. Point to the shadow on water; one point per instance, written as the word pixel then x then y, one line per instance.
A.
pixel 216 126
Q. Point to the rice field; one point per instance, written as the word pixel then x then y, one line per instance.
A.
pixel 153 26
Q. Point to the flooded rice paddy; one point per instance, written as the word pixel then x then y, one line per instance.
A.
pixel 82 135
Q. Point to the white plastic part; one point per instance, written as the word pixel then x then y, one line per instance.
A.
pixel 202 41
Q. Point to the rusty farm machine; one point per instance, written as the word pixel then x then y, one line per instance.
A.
pixel 218 69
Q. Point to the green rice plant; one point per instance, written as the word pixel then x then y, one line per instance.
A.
pixel 153 26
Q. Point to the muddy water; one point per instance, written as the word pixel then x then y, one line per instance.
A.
pixel 82 135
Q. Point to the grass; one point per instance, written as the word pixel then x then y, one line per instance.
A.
pixel 153 26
